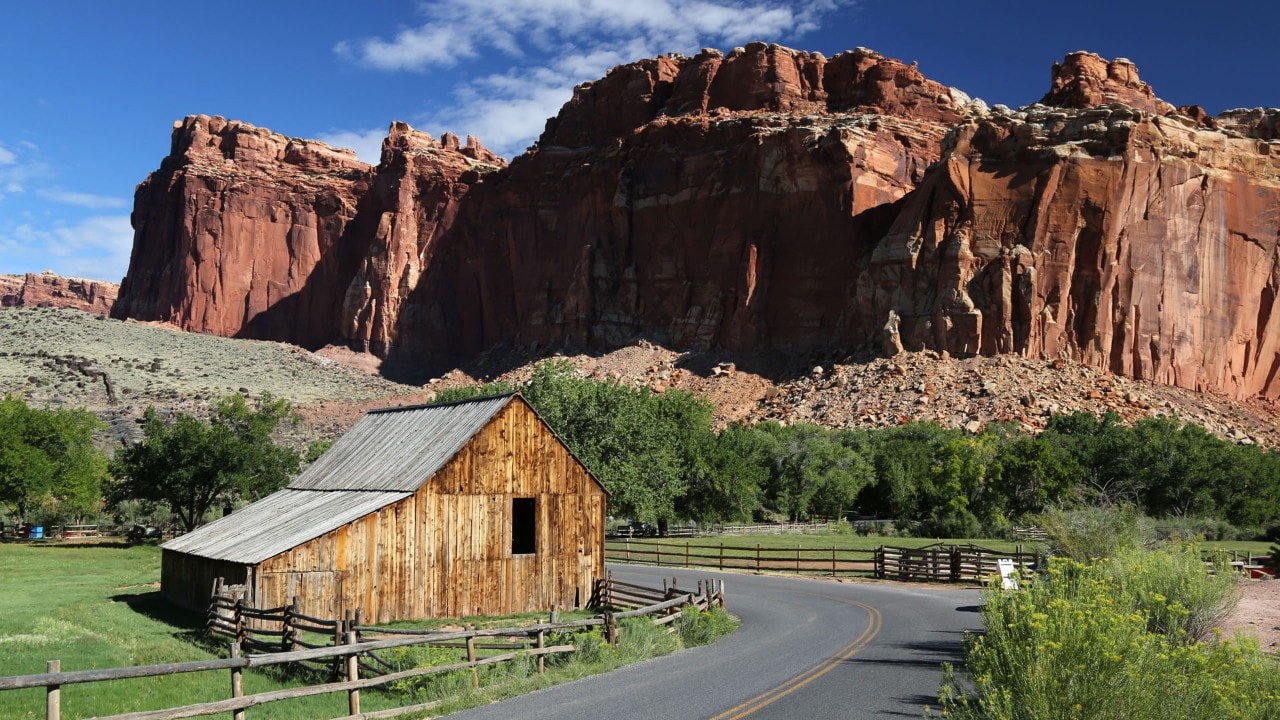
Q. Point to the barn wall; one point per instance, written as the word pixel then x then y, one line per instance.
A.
pixel 187 580
pixel 446 550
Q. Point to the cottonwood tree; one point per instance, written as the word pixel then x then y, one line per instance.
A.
pixel 47 459
pixel 192 465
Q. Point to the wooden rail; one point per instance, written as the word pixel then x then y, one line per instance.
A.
pixel 831 560
pixel 350 649
pixel 947 563
pixel 935 563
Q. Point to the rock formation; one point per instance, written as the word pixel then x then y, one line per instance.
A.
pixel 760 199
pixel 47 289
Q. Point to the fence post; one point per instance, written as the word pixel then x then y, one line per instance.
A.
pixel 542 642
pixel 53 693
pixel 721 556
pixel 238 619
pixel 833 561
pixel 286 626
pixel 339 632
pixel 757 558
pixel 797 558
pixel 610 628
pixel 686 554
pixel 359 620
pixel 237 681
pixel 471 658
pixel 955 563
pixel 353 674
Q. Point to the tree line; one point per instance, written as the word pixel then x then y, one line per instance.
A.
pixel 663 461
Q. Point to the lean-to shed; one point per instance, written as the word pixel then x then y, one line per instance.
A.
pixel 474 507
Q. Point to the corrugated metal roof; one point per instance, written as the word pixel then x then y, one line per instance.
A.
pixel 398 449
pixel 278 522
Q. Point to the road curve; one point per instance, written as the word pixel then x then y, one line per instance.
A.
pixel 808 649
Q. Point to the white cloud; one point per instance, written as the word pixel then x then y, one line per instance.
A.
pixel 18 169
pixel 95 247
pixel 580 39
pixel 366 143
pixel 84 200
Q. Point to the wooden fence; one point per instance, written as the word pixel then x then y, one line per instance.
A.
pixel 936 563
pixel 947 563
pixel 356 650
pixel 831 561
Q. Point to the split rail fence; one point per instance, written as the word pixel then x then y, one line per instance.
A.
pixel 936 563
pixel 356 657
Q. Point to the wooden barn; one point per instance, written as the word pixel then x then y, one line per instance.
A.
pixel 468 508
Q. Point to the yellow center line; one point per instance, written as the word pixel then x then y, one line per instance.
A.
pixel 765 699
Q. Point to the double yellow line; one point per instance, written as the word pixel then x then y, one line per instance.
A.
pixel 768 698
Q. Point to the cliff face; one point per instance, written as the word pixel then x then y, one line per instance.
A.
pixel 248 233
pixel 766 198
pixel 49 290
pixel 1135 243
pixel 718 200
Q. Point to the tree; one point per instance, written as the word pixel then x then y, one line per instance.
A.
pixel 813 472
pixel 191 465
pixel 727 485
pixel 644 446
pixel 47 459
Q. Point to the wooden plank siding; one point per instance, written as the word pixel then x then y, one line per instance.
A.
pixel 446 550
pixel 187 580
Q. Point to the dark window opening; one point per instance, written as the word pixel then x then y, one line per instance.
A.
pixel 524 526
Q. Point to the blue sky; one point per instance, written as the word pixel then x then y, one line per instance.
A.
pixel 90 89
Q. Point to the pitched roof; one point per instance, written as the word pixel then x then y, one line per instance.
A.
pixel 278 522
pixel 398 449
pixel 384 458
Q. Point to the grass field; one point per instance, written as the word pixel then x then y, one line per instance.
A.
pixel 99 606
pixel 96 606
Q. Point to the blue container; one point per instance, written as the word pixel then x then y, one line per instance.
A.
pixel 37 532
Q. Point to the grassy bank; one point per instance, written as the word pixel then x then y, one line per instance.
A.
pixel 99 606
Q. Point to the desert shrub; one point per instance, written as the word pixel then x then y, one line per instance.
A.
pixel 1173 591
pixel 702 627
pixel 640 639
pixel 1193 529
pixel 590 648
pixel 1091 533
pixel 429 687
pixel 1078 644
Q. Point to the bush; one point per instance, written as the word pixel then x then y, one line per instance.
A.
pixel 1171 588
pixel 1080 644
pixel 703 627
pixel 429 687
pixel 640 639
pixel 1088 534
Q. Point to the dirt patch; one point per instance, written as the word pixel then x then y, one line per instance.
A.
pixel 1258 613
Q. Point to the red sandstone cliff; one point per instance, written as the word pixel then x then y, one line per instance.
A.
pixel 766 198
pixel 49 290
pixel 245 232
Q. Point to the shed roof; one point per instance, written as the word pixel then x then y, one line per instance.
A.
pixel 278 522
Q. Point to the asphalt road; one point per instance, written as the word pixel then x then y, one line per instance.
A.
pixel 808 649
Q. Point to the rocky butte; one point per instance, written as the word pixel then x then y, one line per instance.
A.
pixel 763 199
pixel 47 289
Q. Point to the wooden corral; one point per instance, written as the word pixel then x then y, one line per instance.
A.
pixel 472 508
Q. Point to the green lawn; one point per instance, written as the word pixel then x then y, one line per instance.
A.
pixel 99 606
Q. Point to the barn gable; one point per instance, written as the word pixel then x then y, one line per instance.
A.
pixel 470 507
